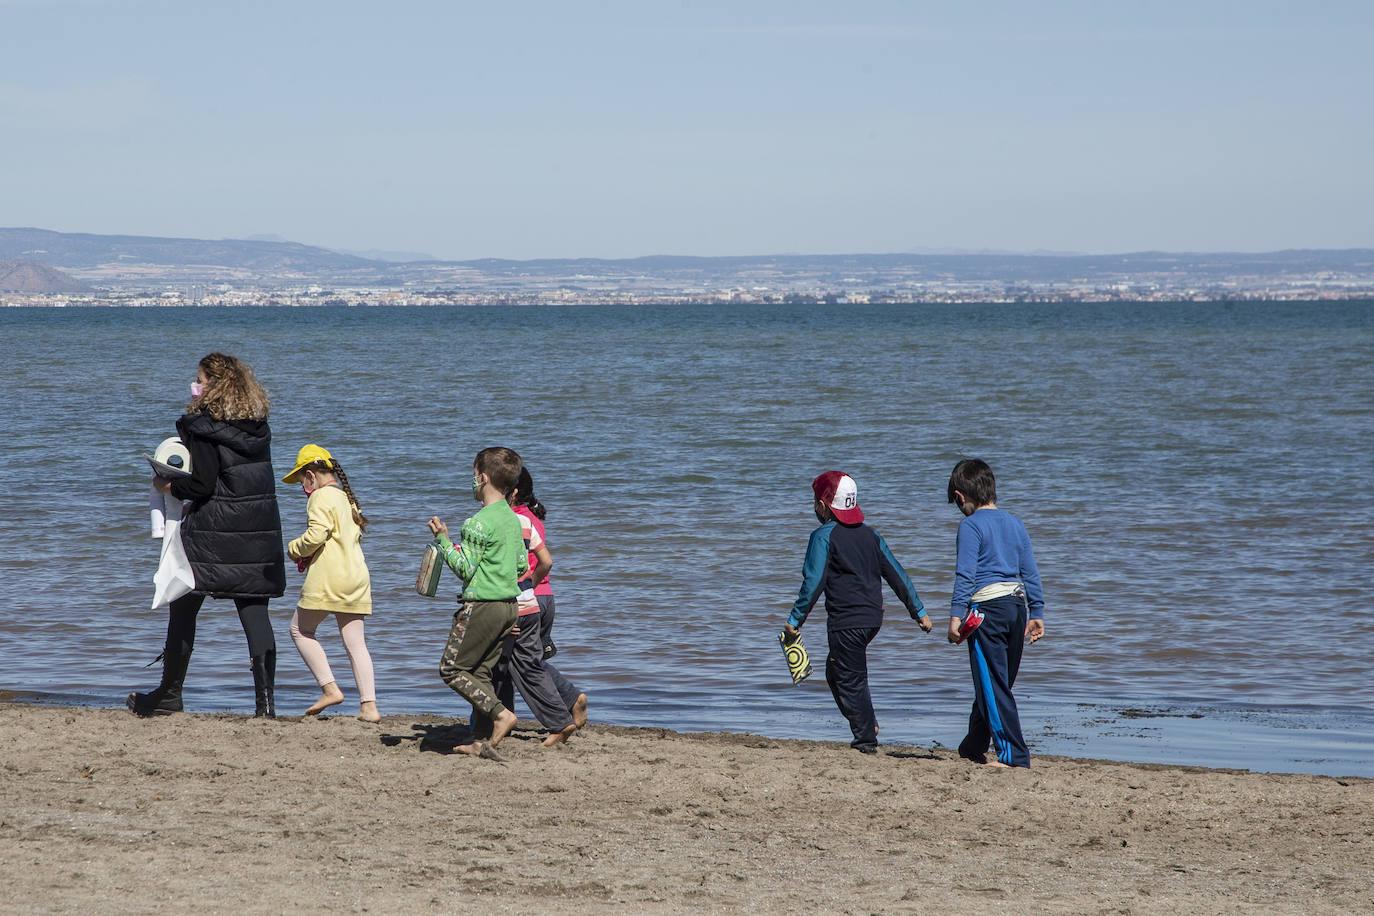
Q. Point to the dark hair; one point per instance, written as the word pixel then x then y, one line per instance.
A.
pixel 973 478
pixel 502 467
pixel 524 494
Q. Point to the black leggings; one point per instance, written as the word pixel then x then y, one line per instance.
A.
pixel 257 626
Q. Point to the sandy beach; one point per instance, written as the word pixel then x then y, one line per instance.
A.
pixel 103 812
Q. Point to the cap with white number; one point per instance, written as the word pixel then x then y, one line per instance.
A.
pixel 838 491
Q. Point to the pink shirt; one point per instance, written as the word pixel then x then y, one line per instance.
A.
pixel 527 601
pixel 536 538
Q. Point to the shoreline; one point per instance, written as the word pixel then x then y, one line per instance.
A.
pixel 103 810
pixel 1169 732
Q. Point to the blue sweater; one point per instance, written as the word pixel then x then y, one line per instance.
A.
pixel 849 563
pixel 992 546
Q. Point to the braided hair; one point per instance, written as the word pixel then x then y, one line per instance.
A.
pixel 333 467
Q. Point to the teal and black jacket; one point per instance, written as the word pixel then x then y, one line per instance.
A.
pixel 848 563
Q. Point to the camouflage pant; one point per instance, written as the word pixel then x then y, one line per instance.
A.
pixel 474 647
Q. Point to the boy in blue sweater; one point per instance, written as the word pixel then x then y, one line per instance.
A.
pixel 848 561
pixel 994 574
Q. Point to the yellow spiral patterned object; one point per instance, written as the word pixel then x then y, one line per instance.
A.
pixel 798 661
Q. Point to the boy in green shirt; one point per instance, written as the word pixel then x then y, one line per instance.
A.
pixel 490 559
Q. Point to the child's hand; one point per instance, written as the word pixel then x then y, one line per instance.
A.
pixel 954 624
pixel 437 527
pixel 924 623
pixel 162 484
pixel 793 634
pixel 1034 630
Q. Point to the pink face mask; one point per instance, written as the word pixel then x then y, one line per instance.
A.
pixel 307 488
pixel 197 389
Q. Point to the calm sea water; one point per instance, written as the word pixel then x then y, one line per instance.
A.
pixel 1196 479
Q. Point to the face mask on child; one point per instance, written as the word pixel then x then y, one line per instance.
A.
pixel 477 487
pixel 197 389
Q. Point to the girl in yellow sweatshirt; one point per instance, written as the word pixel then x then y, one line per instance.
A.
pixel 336 579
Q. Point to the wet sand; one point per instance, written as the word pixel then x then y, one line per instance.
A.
pixel 103 812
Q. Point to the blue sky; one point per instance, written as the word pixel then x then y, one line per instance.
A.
pixel 575 129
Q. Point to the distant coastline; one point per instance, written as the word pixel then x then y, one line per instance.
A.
pixel 371 298
pixel 98 270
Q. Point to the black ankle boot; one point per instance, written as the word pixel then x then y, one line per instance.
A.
pixel 264 680
pixel 166 698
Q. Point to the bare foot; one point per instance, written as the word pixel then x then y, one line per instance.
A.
pixel 330 695
pixel 367 712
pixel 472 750
pixel 579 710
pixel 997 765
pixel 501 726
pixel 556 738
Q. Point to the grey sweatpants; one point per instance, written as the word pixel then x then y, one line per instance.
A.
pixel 524 669
pixel 566 689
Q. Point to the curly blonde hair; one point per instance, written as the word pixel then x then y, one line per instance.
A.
pixel 231 391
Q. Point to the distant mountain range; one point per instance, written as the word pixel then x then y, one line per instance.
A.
pixel 32 278
pixel 74 251
pixel 383 254
pixel 119 262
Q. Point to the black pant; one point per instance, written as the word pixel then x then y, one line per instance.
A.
pixel 846 671
pixel 181 624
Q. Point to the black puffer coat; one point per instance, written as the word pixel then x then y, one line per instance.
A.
pixel 232 534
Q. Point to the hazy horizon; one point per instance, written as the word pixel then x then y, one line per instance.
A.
pixel 625 130
pixel 395 256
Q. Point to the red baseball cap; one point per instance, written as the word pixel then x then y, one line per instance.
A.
pixel 838 490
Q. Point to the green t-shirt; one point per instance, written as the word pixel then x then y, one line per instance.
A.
pixel 491 557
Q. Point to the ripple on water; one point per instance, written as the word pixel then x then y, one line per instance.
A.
pixel 1174 494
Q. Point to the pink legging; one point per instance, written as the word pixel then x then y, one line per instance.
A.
pixel 303 625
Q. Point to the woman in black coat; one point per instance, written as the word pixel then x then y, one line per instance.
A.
pixel 231 528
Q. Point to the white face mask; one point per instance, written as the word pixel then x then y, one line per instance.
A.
pixel 197 389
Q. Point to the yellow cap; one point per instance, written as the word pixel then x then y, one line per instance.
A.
pixel 307 456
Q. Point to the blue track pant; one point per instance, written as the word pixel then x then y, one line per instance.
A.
pixel 994 656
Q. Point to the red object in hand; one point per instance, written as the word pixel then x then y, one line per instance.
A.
pixel 971 623
pixel 301 564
